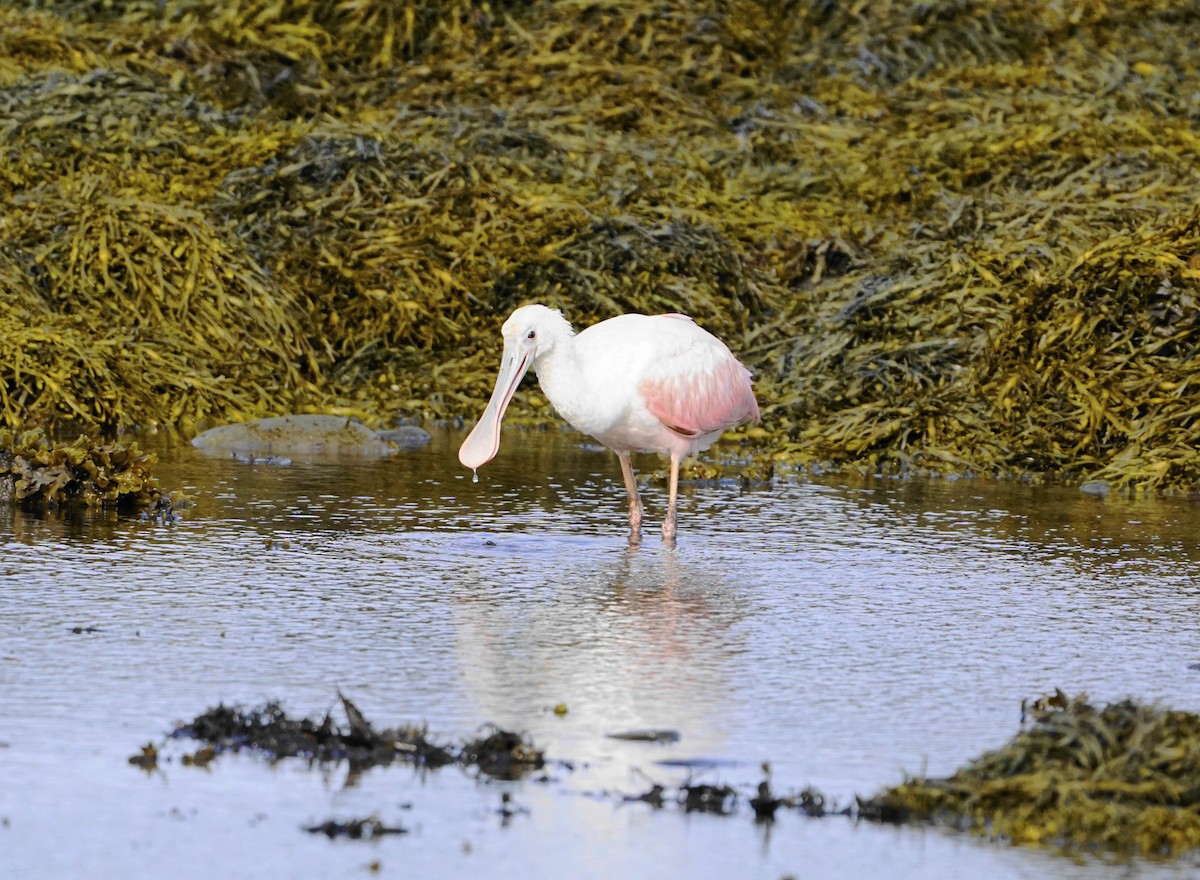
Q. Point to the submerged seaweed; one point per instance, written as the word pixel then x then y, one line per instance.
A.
pixel 370 828
pixel 503 754
pixel 1117 780
pixel 269 730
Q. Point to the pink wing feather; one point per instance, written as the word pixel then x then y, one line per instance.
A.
pixel 696 403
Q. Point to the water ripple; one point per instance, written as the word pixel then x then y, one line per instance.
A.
pixel 849 631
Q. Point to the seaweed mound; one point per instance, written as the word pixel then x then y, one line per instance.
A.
pixel 945 236
pixel 1121 778
pixel 39 473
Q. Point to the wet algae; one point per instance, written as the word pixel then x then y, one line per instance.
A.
pixel 38 473
pixel 270 731
pixel 1114 781
pixel 946 236
pixel 356 829
pixel 1122 779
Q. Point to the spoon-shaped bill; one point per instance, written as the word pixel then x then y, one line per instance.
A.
pixel 483 442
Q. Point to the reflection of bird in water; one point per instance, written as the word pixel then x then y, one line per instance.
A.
pixel 630 640
pixel 634 382
pixel 673 622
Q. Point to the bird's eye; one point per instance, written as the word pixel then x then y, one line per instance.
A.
pixel 531 335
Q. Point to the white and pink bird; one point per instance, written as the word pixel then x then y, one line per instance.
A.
pixel 637 383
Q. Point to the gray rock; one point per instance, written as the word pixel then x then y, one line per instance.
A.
pixel 304 435
pixel 406 436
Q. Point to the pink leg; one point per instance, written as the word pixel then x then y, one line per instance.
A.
pixel 668 527
pixel 635 503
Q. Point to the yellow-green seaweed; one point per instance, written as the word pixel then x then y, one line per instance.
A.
pixel 37 472
pixel 1119 780
pixel 945 236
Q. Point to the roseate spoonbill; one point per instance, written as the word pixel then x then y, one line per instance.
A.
pixel 637 383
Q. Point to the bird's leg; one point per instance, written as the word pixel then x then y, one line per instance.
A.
pixel 668 527
pixel 635 503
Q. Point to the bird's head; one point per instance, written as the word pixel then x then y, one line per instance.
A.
pixel 530 333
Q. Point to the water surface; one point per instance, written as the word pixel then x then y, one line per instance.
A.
pixel 848 631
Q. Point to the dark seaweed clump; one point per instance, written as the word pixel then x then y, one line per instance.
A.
pixel 704 797
pixel 503 754
pixel 269 730
pixel 370 828
pixel 1122 779
pixel 1117 780
pixel 722 799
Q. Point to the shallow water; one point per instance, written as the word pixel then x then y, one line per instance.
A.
pixel 848 631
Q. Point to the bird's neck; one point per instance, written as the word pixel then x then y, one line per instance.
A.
pixel 560 376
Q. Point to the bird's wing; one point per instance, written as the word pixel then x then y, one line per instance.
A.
pixel 699 388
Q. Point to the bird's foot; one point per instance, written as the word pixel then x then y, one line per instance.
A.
pixel 668 531
pixel 635 526
pixel 635 520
